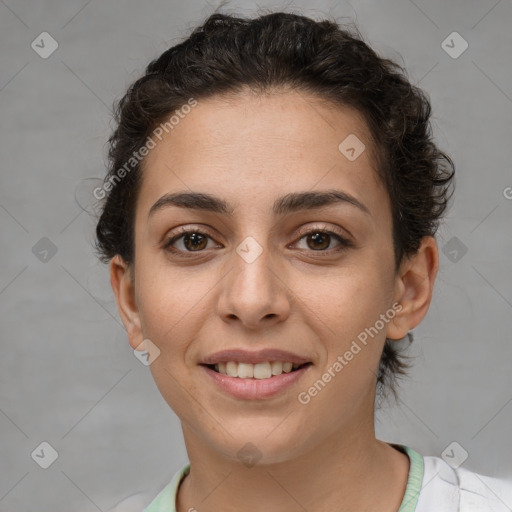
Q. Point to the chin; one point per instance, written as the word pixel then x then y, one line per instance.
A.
pixel 262 445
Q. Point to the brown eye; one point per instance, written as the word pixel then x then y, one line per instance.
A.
pixel 319 240
pixel 191 240
pixel 194 241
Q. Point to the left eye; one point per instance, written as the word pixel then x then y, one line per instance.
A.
pixel 319 240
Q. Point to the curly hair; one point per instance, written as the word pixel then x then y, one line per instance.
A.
pixel 282 50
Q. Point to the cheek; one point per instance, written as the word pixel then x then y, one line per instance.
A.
pixel 169 305
pixel 345 313
pixel 172 310
pixel 347 301
pixel 352 337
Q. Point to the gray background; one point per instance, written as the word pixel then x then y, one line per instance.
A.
pixel 68 375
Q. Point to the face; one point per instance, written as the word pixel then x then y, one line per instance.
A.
pixel 276 270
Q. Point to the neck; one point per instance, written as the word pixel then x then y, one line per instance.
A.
pixel 347 471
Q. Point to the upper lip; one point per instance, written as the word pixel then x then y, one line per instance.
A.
pixel 260 356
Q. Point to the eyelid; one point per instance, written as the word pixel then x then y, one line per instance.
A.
pixel 324 228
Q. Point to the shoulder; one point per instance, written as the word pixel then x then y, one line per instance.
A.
pixel 478 489
pixel 165 501
pixel 445 489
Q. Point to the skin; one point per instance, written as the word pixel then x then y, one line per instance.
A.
pixel 249 150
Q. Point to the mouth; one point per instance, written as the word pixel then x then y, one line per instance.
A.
pixel 245 381
pixel 259 371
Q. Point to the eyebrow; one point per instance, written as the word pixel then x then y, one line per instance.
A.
pixel 292 202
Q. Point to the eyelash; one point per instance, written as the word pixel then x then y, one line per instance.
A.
pixel 344 243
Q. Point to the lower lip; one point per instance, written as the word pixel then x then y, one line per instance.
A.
pixel 255 389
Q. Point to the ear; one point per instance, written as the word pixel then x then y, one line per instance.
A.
pixel 123 285
pixel 414 287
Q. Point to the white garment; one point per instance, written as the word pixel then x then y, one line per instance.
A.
pixel 445 489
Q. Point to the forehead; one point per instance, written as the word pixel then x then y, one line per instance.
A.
pixel 248 146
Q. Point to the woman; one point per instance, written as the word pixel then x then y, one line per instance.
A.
pixel 270 212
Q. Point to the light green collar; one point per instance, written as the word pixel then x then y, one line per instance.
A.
pixel 413 489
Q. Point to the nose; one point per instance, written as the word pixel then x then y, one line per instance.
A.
pixel 254 292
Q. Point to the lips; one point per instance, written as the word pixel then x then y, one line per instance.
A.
pixel 255 389
pixel 260 356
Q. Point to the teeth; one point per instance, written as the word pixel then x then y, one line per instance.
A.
pixel 246 370
pixel 277 367
pixel 232 369
pixel 262 371
pixel 255 371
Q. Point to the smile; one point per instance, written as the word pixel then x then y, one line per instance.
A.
pixel 247 387
pixel 265 370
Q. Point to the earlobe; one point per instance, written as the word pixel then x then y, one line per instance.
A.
pixel 414 288
pixel 121 279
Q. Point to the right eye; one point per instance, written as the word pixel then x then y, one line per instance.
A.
pixel 193 240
